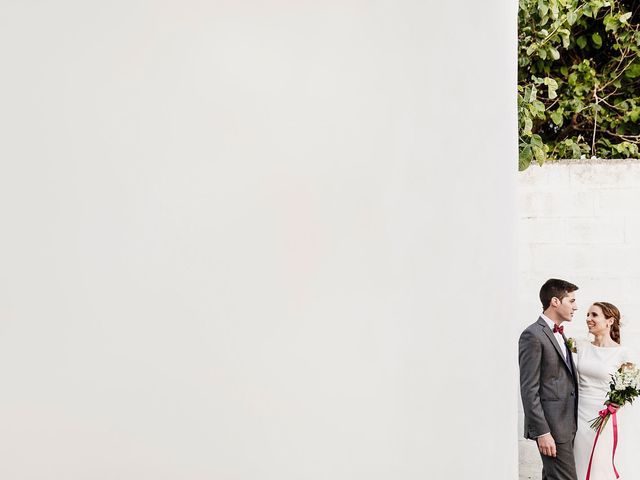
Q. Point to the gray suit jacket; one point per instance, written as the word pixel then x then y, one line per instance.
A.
pixel 548 386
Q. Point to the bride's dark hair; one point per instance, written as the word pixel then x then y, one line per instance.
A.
pixel 611 311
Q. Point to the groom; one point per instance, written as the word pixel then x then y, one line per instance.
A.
pixel 548 382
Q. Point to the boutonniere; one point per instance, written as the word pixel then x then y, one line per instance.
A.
pixel 571 344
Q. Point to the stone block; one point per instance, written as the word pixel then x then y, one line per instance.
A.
pixel 632 229
pixel 603 174
pixel 609 287
pixel 525 257
pixel 550 176
pixel 627 289
pixel 594 230
pixel 560 260
pixel 556 203
pixel 570 260
pixel 621 260
pixel 615 202
pixel 542 230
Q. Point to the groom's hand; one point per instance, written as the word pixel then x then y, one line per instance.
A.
pixel 547 445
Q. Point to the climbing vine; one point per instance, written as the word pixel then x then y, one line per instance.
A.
pixel 578 79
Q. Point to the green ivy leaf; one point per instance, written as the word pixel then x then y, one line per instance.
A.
pixel 610 23
pixel 557 118
pixel 572 16
pixel 528 125
pixel 542 8
pixel 539 155
pixel 625 17
pixel 539 108
pixel 597 40
pixel 526 155
pixel 530 94
pixel 575 151
pixel 633 71
pixel 536 141
pixel 581 41
pixel 552 87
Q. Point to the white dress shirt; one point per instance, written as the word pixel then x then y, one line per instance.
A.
pixel 558 335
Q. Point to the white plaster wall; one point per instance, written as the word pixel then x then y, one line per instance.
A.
pixel 580 221
pixel 244 240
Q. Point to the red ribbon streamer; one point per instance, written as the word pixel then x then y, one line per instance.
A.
pixel 604 413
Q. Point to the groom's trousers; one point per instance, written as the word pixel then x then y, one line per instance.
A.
pixel 563 466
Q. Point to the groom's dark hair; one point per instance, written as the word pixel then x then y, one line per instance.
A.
pixel 555 288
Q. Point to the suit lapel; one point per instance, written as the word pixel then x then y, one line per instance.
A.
pixel 573 370
pixel 573 367
pixel 547 331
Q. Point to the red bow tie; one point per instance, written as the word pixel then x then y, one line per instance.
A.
pixel 557 328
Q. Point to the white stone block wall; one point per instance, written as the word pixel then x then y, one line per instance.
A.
pixel 579 221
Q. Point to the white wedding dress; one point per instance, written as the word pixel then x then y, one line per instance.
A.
pixel 595 366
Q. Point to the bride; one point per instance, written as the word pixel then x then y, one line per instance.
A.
pixel 595 363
